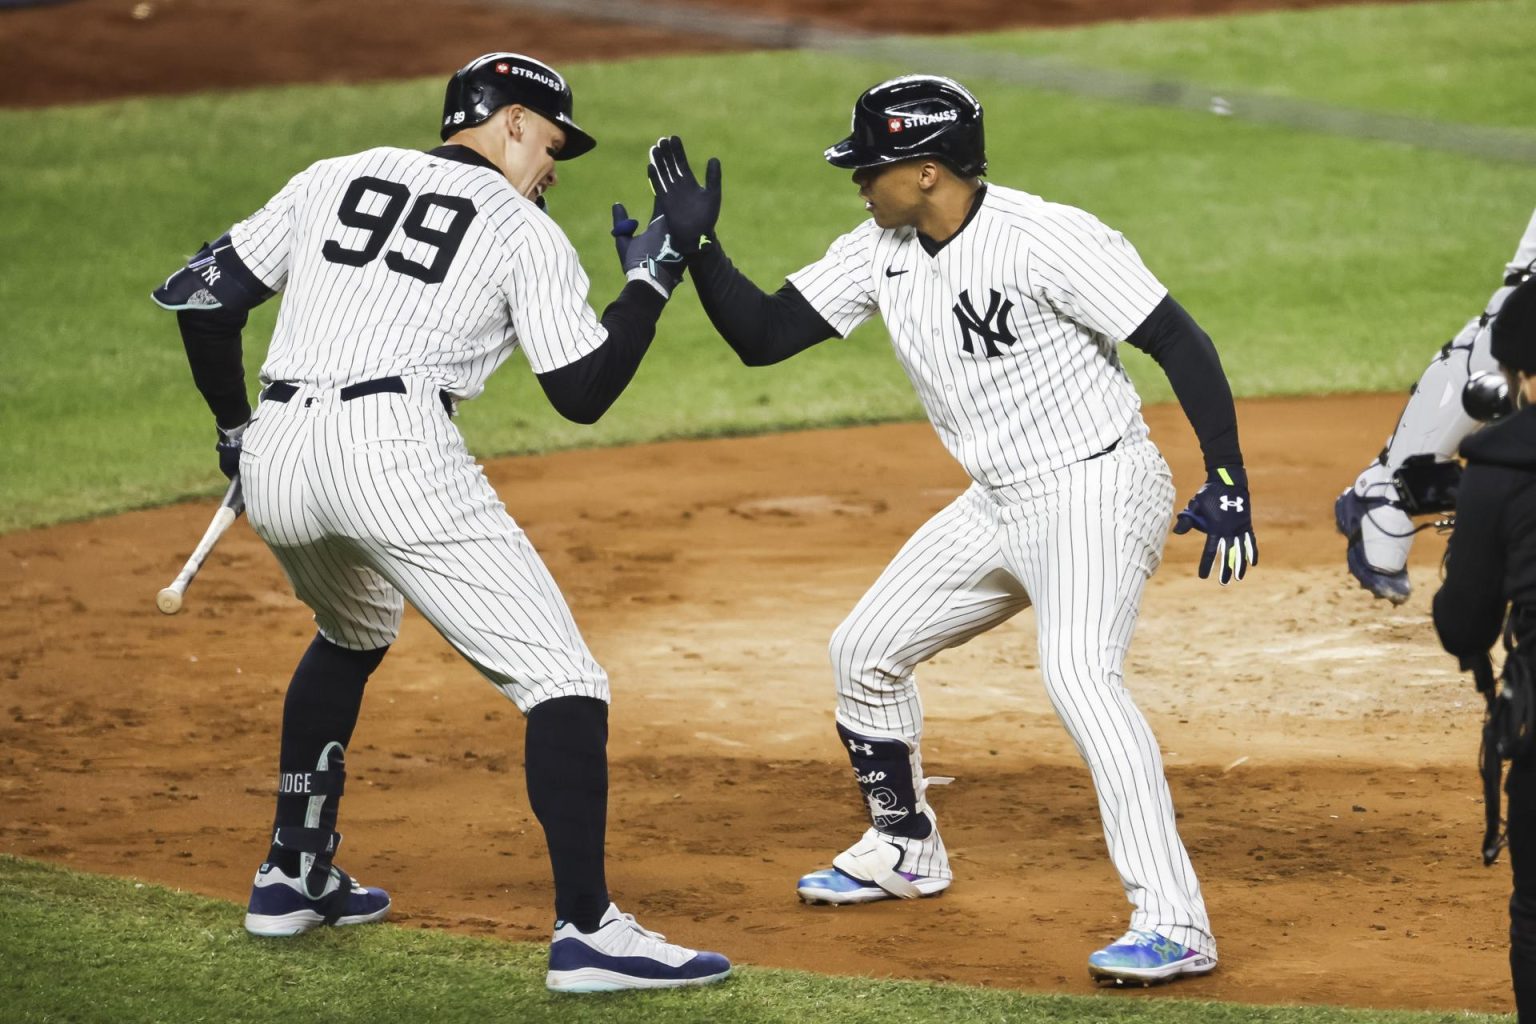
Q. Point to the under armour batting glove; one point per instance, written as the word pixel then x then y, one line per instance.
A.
pixel 648 256
pixel 228 447
pixel 1223 512
pixel 691 209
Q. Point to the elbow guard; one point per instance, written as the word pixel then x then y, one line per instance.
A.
pixel 214 278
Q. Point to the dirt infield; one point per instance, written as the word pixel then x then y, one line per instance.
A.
pixel 1320 747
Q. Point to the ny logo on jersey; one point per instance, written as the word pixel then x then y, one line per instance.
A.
pixel 1231 504
pixel 991 326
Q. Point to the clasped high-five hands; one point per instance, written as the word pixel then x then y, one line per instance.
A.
pixel 682 218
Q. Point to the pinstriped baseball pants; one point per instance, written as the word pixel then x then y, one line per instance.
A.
pixel 1079 544
pixel 376 501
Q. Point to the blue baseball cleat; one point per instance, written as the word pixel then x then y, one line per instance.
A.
pixel 1146 958
pixel 621 955
pixel 280 907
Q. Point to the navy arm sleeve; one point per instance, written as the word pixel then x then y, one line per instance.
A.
pixel 582 391
pixel 211 297
pixel 763 329
pixel 1469 607
pixel 1185 352
pixel 211 338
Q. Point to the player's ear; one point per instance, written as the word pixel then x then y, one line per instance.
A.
pixel 516 115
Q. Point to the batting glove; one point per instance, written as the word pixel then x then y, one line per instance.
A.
pixel 1223 512
pixel 649 256
pixel 228 448
pixel 690 209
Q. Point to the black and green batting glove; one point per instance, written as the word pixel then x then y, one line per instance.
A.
pixel 690 208
pixel 1222 510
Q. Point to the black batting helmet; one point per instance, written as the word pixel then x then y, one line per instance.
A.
pixel 486 84
pixel 915 115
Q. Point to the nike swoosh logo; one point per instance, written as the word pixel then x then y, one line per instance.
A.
pixel 892 273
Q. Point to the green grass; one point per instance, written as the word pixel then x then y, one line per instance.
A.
pixel 156 955
pixel 1448 61
pixel 1318 264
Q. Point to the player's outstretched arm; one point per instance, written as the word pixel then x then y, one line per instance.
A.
pixel 761 328
pixel 1222 508
pixel 583 390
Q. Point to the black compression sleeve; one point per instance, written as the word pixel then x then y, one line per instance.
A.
pixel 211 338
pixel 1185 352
pixel 582 391
pixel 762 328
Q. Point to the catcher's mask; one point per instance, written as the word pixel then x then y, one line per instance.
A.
pixel 911 116
pixel 486 84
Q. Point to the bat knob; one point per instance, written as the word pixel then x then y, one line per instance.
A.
pixel 168 600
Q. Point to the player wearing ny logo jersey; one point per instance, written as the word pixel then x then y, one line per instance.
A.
pixel 1005 310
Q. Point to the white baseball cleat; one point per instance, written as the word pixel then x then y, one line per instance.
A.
pixel 621 955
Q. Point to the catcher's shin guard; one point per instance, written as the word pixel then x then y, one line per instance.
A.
pixel 316 841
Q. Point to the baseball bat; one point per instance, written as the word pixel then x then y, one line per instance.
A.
pixel 169 599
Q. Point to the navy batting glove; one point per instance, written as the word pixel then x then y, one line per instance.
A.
pixel 1223 512
pixel 228 448
pixel 691 209
pixel 648 256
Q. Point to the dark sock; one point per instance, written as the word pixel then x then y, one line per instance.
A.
pixel 566 759
pixel 321 707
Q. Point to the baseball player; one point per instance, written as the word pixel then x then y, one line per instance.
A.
pixel 408 277
pixel 1005 311
pixel 1417 472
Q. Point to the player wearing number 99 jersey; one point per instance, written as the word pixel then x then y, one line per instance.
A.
pixel 407 278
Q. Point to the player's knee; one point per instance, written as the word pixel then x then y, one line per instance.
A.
pixel 855 661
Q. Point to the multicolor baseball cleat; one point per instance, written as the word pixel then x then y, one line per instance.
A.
pixel 1146 958
pixel 874 869
pixel 621 955
pixel 280 907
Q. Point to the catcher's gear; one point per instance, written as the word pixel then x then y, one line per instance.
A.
pixel 649 256
pixel 691 209
pixel 1485 397
pixel 228 447
pixel 1222 510
pixel 486 84
pixel 1426 486
pixel 911 116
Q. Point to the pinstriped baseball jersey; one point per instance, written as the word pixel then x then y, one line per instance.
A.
pixel 1008 332
pixel 421 272
pixel 398 262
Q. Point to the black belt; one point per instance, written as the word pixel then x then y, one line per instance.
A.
pixel 283 391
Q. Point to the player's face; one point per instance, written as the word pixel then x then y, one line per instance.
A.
pixel 535 170
pixel 891 192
